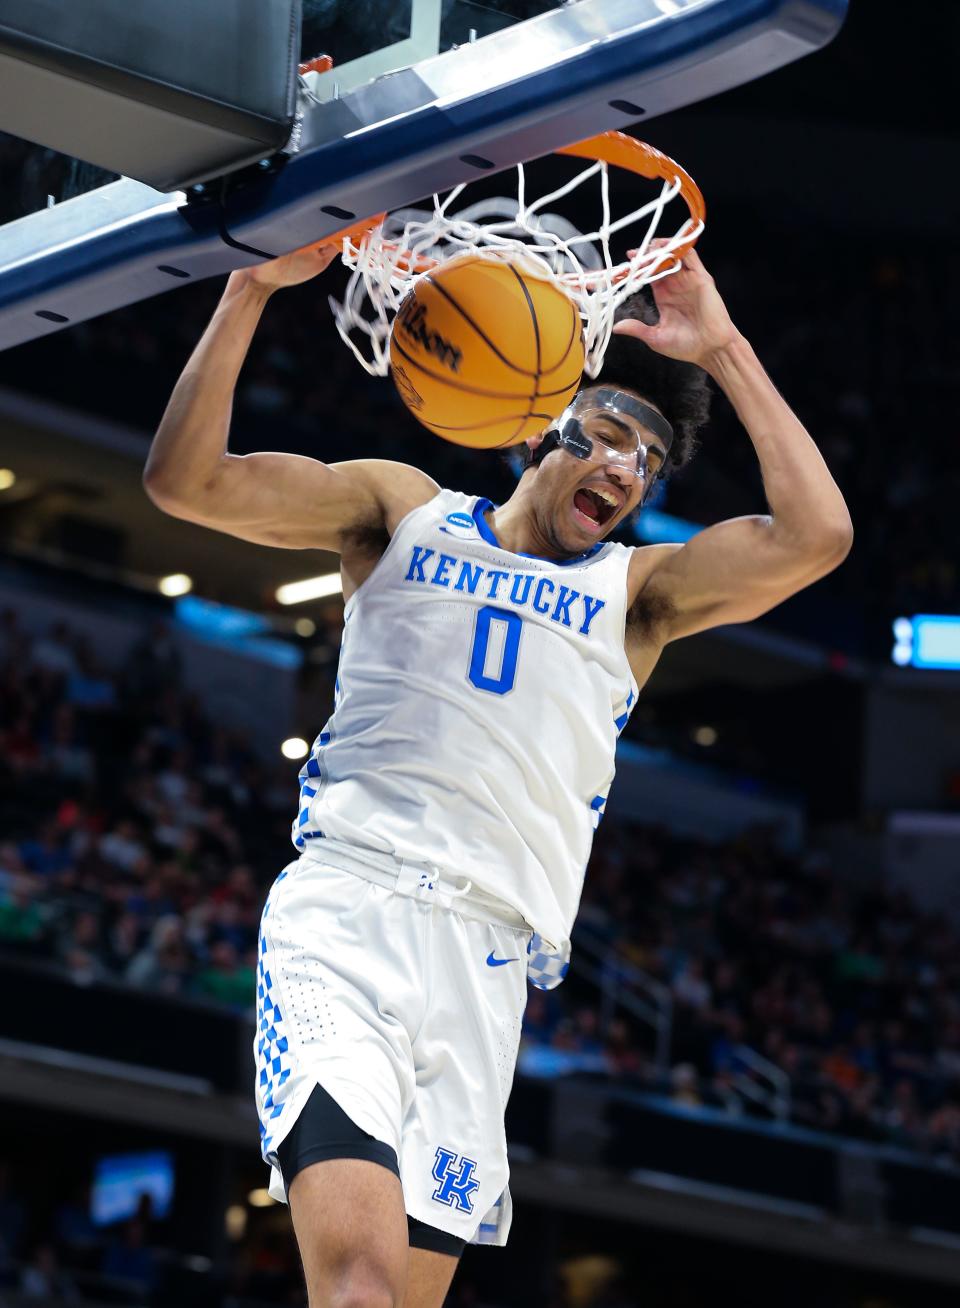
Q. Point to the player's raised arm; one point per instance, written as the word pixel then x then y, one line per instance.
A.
pixel 278 499
pixel 738 569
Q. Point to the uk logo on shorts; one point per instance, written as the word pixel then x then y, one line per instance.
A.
pixel 457 1184
pixel 459 524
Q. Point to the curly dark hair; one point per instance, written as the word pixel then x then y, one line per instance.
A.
pixel 681 391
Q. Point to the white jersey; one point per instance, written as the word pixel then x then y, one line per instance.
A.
pixel 478 702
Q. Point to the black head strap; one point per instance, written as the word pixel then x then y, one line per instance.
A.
pixel 580 445
pixel 573 439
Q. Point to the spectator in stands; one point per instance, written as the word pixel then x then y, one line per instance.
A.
pixel 79 1240
pixel 123 845
pixel 944 1130
pixel 685 1086
pixel 226 978
pixel 624 1057
pixel 122 944
pixel 23 925
pixel 21 746
pixel 903 1118
pixel 55 652
pixel 43 1278
pixel 152 667
pixel 541 1016
pixel 128 1258
pixel 586 1032
pixel 64 754
pixel 88 687
pixel 164 963
pixel 47 852
pixel 79 949
pixel 691 988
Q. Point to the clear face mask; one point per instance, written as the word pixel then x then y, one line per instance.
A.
pixel 608 427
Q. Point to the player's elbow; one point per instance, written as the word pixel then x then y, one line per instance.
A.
pixel 823 544
pixel 826 550
pixel 838 540
pixel 169 497
pixel 158 492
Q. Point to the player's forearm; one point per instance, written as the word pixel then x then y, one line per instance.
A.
pixel 805 501
pixel 191 441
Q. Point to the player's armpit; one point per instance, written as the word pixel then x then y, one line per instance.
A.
pixel 293 502
pixel 731 572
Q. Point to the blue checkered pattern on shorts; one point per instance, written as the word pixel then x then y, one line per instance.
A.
pixel 488 1229
pixel 273 1060
pixel 546 969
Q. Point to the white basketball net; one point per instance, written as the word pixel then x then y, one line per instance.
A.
pixel 387 261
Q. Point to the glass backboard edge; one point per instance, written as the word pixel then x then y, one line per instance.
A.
pixel 403 136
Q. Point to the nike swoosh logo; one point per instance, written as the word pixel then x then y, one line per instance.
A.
pixel 499 962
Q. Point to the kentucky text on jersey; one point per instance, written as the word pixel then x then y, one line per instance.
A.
pixel 559 603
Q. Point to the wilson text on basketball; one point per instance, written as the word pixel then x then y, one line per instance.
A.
pixel 412 322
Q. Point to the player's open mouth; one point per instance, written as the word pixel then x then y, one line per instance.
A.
pixel 594 507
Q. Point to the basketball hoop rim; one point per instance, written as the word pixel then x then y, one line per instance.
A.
pixel 616 148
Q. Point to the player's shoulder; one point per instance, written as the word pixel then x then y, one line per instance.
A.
pixel 398 488
pixel 645 562
pixel 447 504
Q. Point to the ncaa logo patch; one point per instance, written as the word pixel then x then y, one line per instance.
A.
pixel 457 1182
pixel 459 524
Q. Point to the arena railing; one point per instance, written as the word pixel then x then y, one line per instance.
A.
pixel 762 1082
pixel 755 1077
pixel 626 986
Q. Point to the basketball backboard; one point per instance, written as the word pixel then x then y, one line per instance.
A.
pixel 423 94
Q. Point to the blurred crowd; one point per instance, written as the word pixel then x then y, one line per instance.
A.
pixel 148 862
pixel 70 1255
pixel 63 1257
pixel 139 866
pixel 855 995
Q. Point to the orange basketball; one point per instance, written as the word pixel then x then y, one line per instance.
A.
pixel 485 354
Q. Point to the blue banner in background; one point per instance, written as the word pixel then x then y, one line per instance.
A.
pixel 234 629
pixel 927 640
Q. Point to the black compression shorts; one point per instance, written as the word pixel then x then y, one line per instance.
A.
pixel 322 1131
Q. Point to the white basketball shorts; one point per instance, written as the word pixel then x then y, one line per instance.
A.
pixel 402 996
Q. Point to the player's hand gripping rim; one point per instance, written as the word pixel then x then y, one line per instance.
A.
pixel 294 268
pixel 694 323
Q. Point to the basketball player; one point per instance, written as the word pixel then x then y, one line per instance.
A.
pixel 490 657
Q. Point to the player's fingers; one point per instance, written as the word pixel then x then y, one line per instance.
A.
pixel 651 245
pixel 679 263
pixel 692 260
pixel 325 249
pixel 633 327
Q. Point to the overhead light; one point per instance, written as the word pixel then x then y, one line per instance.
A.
pixel 260 1199
pixel 298 592
pixel 7 478
pixel 177 583
pixel 305 627
pixel 705 736
pixel 235 1221
pixel 295 747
